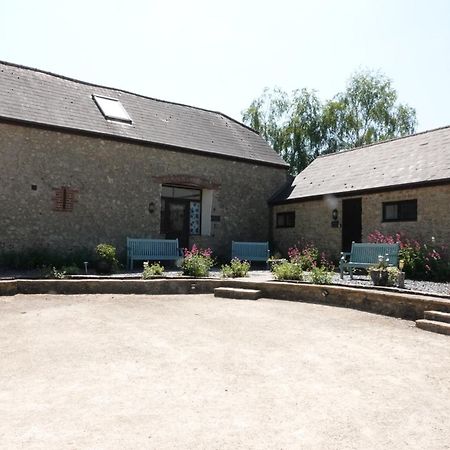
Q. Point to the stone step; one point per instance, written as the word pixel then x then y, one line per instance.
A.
pixel 438 316
pixel 432 325
pixel 238 293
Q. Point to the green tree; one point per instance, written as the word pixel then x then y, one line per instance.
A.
pixel 291 124
pixel 300 128
pixel 366 112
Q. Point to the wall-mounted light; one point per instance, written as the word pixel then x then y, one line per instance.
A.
pixel 334 214
pixel 151 207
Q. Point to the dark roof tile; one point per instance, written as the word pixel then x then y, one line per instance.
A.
pixel 35 96
pixel 402 161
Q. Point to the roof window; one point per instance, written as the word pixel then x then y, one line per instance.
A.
pixel 112 109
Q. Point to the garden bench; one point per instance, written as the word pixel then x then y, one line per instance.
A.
pixel 250 251
pixel 364 256
pixel 152 249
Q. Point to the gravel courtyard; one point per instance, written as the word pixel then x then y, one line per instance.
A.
pixel 188 372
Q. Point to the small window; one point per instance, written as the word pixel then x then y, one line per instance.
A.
pixel 286 219
pixel 112 109
pixel 64 199
pixel 405 210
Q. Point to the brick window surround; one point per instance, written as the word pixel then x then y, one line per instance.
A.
pixel 64 198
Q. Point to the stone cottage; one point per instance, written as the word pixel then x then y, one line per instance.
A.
pixel 83 164
pixel 401 185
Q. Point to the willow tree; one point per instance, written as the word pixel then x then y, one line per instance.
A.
pixel 300 127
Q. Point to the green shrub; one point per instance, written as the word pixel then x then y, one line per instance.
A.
pixel 106 252
pixel 393 273
pixel 320 275
pixel 106 259
pixel 152 270
pixel 53 272
pixel 38 257
pixel 71 270
pixel 236 268
pixel 197 262
pixel 274 261
pixel 288 271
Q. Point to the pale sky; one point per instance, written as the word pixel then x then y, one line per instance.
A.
pixel 221 55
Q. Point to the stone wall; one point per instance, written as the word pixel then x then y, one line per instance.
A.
pixel 312 225
pixel 112 184
pixel 433 213
pixel 313 218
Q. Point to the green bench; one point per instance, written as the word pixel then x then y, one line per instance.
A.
pixel 364 256
pixel 152 249
pixel 250 251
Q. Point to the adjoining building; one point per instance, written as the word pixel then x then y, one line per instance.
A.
pixel 83 164
pixel 401 185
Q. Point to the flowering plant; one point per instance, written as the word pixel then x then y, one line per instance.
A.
pixel 383 263
pixel 308 257
pixel 236 268
pixel 197 261
pixel 422 261
pixel 152 270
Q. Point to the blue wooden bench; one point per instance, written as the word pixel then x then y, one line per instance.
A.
pixel 152 249
pixel 364 256
pixel 250 251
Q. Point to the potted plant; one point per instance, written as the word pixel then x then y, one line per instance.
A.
pixel 106 260
pixel 379 273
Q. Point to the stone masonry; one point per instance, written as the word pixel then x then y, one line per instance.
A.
pixel 110 184
pixel 313 218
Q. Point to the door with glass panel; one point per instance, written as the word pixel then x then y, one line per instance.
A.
pixel 180 213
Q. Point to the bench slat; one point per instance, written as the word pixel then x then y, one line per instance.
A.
pixel 365 255
pixel 151 249
pixel 250 251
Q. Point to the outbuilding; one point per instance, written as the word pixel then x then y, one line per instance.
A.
pixel 83 164
pixel 397 186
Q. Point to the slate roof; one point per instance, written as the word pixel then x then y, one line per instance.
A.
pixel 422 158
pixel 42 98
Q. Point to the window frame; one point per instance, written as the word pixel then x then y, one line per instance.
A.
pixel 402 214
pixel 125 118
pixel 287 217
pixel 184 200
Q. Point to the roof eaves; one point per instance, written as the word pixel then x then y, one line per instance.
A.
pixel 114 137
pixel 374 190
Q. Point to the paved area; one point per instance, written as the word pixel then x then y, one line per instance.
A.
pixel 189 372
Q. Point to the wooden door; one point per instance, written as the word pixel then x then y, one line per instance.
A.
pixel 351 223
pixel 177 221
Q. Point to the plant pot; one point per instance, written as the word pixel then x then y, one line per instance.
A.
pixel 104 267
pixel 379 277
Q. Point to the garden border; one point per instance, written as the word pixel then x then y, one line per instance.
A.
pixel 394 304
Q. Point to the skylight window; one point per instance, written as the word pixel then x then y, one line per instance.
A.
pixel 112 109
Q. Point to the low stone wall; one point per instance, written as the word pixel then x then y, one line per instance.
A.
pixel 395 304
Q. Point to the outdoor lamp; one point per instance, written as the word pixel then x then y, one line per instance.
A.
pixel 334 214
